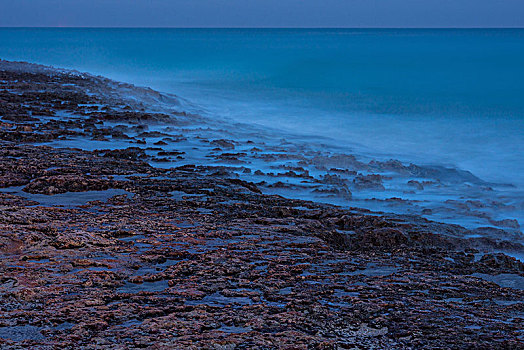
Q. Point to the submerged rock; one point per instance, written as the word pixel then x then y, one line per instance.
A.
pixel 66 183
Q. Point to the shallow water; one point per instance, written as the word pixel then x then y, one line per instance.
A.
pixel 506 280
pixel 67 199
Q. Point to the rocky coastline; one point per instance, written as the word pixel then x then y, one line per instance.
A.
pixel 101 249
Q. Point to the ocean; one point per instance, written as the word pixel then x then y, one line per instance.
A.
pixel 449 98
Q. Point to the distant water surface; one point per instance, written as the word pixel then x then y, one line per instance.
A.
pixel 450 97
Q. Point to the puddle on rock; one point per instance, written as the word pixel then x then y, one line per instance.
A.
pixel 220 300
pixel 21 333
pixel 157 286
pixel 68 199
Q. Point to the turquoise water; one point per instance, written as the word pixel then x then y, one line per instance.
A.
pixel 451 97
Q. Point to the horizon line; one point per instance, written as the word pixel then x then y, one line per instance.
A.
pixel 242 27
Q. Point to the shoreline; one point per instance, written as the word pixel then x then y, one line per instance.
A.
pixel 297 166
pixel 193 256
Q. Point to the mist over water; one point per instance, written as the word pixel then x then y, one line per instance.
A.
pixel 447 97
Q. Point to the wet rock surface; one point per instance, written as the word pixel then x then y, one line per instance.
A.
pixel 193 257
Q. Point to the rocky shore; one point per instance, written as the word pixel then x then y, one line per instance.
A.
pixel 106 248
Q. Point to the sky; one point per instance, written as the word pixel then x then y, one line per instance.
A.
pixel 261 13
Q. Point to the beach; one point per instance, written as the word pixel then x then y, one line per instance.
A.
pixel 419 122
pixel 128 222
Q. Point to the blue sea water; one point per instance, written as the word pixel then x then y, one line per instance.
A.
pixel 448 97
